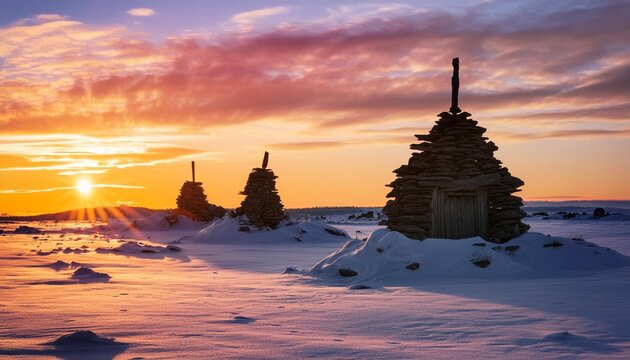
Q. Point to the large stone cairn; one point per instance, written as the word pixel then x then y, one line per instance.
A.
pixel 454 151
pixel 262 205
pixel 193 202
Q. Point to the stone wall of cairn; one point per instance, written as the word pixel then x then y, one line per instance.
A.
pixel 453 151
pixel 262 204
pixel 193 202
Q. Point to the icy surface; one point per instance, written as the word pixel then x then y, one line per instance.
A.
pixel 225 296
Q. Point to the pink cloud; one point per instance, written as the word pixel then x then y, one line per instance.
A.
pixel 370 72
pixel 141 12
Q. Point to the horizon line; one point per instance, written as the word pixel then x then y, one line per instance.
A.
pixel 7 215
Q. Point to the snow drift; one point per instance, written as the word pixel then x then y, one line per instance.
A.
pixel 392 257
pixel 233 230
pixel 158 221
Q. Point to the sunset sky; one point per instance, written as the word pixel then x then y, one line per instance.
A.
pixel 124 94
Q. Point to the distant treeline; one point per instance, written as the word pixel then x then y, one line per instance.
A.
pixel 329 210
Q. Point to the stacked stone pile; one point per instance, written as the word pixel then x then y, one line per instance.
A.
pixel 193 202
pixel 454 155
pixel 262 204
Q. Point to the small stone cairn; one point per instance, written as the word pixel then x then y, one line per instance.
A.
pixel 453 153
pixel 193 202
pixel 262 205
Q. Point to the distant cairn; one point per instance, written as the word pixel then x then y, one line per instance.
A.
pixel 454 187
pixel 262 205
pixel 193 202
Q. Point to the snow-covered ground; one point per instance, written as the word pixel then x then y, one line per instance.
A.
pixel 182 293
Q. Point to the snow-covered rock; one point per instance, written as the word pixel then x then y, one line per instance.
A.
pixel 87 275
pixel 23 229
pixel 391 257
pixel 231 230
pixel 83 338
pixel 59 265
pixel 137 247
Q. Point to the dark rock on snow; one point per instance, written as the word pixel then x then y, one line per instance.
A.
pixel 84 273
pixel 347 273
pixel 335 232
pixel 290 270
pixel 482 263
pixel 599 213
pixel 359 287
pixel 23 229
pixel 82 338
pixel 553 244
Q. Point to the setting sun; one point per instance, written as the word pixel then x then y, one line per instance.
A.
pixel 84 186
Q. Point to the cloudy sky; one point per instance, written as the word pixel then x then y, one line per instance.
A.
pixel 126 93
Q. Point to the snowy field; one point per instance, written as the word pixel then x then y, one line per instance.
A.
pixel 221 293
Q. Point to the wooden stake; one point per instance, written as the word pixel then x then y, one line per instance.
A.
pixel 265 160
pixel 455 87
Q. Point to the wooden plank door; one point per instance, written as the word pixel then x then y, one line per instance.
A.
pixel 459 215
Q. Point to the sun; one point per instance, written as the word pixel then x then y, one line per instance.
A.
pixel 84 186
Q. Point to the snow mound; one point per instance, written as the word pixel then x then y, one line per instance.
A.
pixel 70 250
pixel 59 265
pixel 83 338
pixel 158 221
pixel 392 257
pixel 231 230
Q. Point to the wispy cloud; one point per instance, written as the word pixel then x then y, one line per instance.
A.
pixel 570 133
pixel 333 144
pixel 311 145
pixel 358 13
pixel 64 188
pixel 141 12
pixel 396 130
pixel 75 154
pixel 247 19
